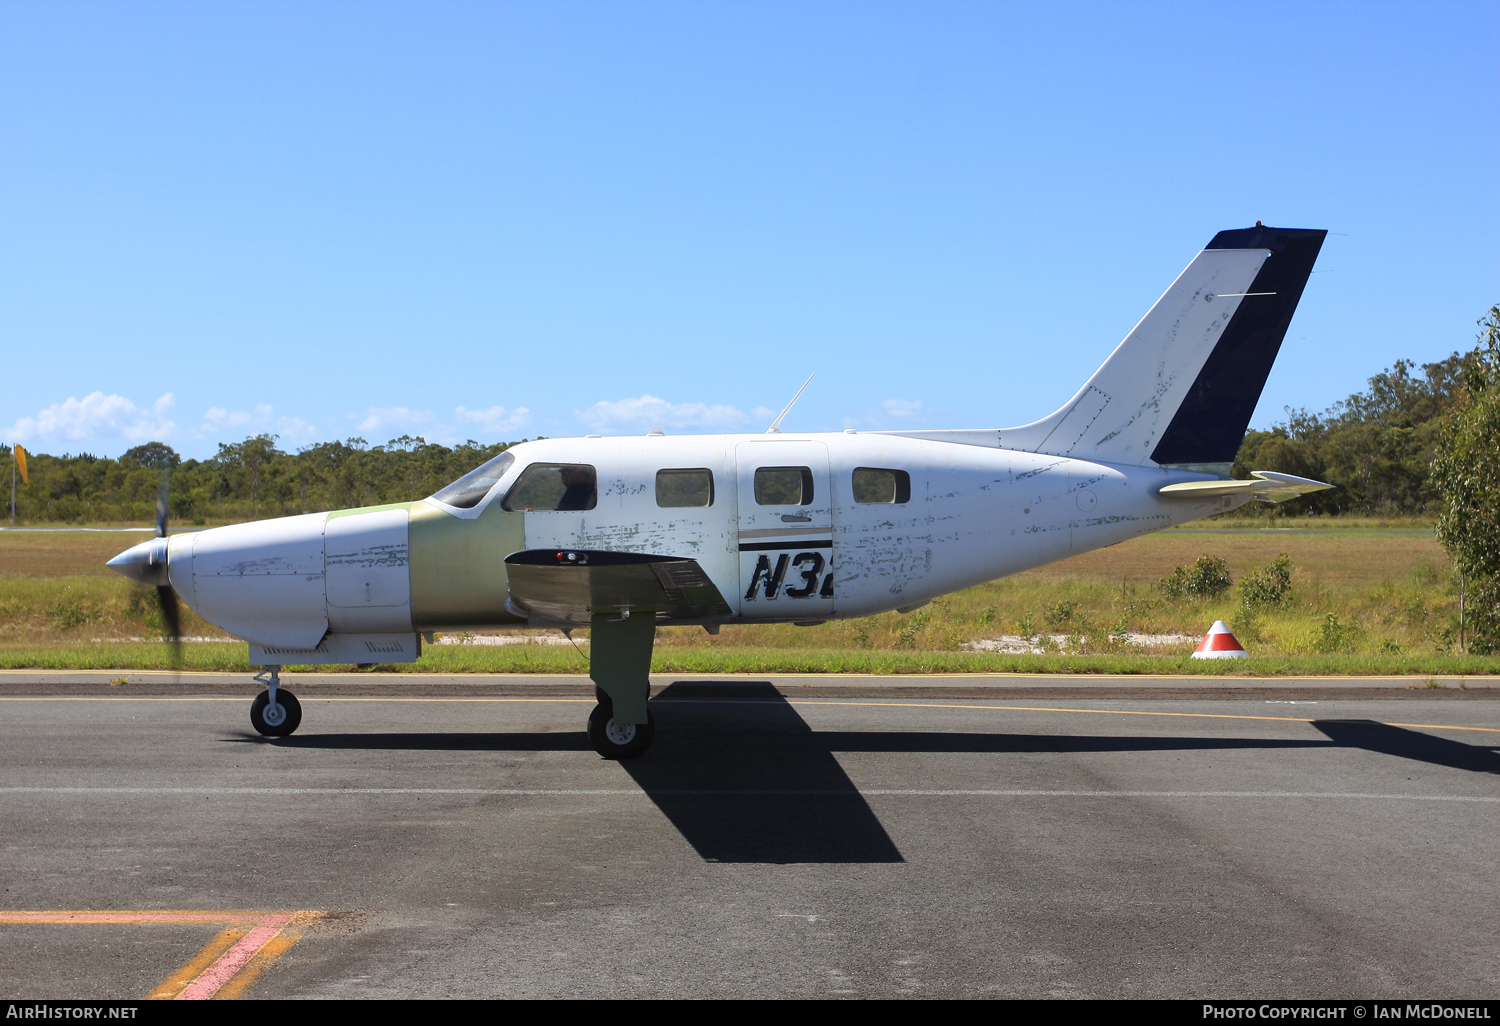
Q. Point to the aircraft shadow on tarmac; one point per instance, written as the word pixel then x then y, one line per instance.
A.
pixel 755 741
pixel 1374 736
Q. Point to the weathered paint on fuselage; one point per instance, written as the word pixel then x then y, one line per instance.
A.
pixel 975 513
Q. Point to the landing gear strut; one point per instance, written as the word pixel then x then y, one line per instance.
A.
pixel 621 727
pixel 275 711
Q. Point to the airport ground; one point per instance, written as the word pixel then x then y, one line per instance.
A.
pixel 785 837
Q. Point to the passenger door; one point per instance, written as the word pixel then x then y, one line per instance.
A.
pixel 785 530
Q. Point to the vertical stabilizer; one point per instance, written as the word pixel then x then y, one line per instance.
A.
pixel 1182 386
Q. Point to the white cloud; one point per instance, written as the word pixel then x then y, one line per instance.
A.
pixel 108 422
pixel 649 410
pixel 219 420
pixel 882 415
pixel 495 419
pixel 903 407
pixel 388 419
pixel 381 423
pixel 98 417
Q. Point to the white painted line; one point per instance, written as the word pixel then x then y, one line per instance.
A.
pixel 547 792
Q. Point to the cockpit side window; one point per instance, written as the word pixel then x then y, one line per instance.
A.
pixel 554 487
pixel 469 490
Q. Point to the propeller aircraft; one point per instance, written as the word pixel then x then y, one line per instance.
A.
pixel 623 534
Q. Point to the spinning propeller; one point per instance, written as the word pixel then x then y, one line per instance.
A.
pixel 166 598
pixel 147 563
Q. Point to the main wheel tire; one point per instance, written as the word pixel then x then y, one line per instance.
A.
pixel 276 723
pixel 619 740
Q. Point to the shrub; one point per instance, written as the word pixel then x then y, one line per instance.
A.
pixel 1026 627
pixel 1247 627
pixel 1060 615
pixel 1334 635
pixel 908 636
pixel 1208 577
pixel 1268 586
pixel 68 614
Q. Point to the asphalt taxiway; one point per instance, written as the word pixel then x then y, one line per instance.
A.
pixel 782 838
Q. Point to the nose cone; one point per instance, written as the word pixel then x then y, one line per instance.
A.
pixel 146 562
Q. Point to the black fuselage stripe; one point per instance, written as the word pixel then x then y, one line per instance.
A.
pixel 786 545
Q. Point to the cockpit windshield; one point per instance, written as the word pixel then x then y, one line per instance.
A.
pixel 467 491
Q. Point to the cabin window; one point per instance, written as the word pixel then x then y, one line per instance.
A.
pixel 467 491
pixel 784 486
pixel 685 487
pixel 873 485
pixel 554 487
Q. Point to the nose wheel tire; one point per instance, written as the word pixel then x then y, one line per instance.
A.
pixel 277 720
pixel 619 740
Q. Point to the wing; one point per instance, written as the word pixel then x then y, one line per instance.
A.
pixel 572 586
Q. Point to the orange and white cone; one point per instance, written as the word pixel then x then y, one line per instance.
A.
pixel 1218 643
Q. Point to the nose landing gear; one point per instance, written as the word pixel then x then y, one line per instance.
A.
pixel 275 711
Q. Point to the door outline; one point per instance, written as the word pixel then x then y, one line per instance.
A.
pixel 787 555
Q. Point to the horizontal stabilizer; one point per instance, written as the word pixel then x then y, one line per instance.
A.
pixel 572 586
pixel 1266 485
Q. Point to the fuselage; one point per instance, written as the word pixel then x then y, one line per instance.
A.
pixel 790 528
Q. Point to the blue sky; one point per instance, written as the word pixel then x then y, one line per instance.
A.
pixel 499 220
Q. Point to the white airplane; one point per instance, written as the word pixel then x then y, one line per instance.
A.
pixel 621 535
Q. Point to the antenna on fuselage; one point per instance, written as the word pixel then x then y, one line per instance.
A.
pixel 775 428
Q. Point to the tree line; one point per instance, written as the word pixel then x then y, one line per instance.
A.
pixel 243 481
pixel 1377 446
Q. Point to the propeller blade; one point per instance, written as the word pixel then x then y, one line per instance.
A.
pixel 171 619
pixel 161 503
pixel 166 598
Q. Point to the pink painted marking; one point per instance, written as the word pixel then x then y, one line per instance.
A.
pixel 233 960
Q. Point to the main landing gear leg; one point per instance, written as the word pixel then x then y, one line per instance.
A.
pixel 621 727
pixel 275 711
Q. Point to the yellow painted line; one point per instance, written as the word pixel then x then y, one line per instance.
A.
pixel 1129 712
pixel 178 980
pixel 790 701
pixel 269 952
pixel 95 917
pixel 224 968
